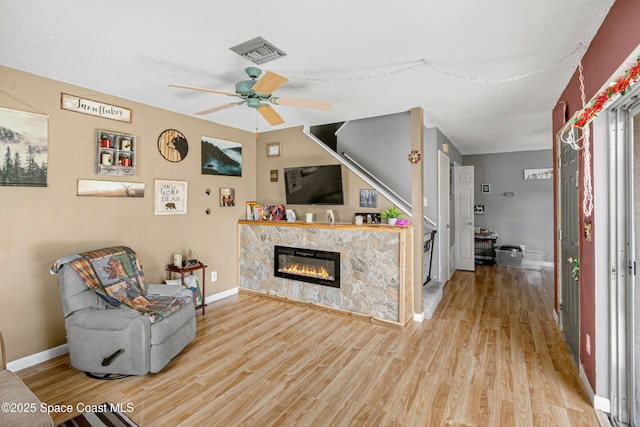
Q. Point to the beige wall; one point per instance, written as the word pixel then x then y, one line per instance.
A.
pixel 39 225
pixel 297 149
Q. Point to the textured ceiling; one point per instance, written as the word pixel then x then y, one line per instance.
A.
pixel 487 73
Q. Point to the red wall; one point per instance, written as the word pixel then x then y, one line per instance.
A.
pixel 616 39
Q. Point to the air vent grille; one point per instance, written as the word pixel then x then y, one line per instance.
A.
pixel 258 50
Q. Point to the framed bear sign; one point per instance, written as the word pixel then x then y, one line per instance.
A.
pixel 170 197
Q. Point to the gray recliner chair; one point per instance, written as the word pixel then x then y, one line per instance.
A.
pixel 105 340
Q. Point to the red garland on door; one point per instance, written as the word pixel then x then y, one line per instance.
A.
pixel 619 86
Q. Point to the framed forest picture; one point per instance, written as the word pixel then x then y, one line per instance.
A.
pixel 220 157
pixel 24 148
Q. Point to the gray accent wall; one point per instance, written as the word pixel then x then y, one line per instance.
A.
pixel 381 144
pixel 526 218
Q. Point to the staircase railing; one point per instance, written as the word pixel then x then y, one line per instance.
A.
pixel 403 204
pixel 369 178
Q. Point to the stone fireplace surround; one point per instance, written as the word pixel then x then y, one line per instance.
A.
pixel 375 267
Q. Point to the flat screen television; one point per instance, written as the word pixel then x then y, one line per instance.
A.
pixel 314 185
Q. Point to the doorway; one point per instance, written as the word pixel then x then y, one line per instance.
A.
pixel 634 308
pixel 444 220
pixel 464 219
pixel 569 294
pixel 624 149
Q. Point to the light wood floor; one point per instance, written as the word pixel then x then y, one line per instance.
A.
pixel 492 355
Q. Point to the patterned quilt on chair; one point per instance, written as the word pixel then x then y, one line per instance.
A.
pixel 116 275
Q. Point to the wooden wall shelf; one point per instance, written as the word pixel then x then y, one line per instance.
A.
pixel 115 153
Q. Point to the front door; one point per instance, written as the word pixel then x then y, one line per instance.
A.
pixel 570 290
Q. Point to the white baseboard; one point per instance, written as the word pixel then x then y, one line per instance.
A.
pixel 34 359
pixel 52 353
pixel 601 403
pixel 221 295
pixel 418 317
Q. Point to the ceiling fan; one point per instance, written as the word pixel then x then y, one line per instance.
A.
pixel 258 94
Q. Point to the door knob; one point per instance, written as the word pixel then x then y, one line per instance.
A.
pixel 570 260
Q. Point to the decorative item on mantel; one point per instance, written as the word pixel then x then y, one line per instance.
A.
pixel 391 214
pixel 258 212
pixel 370 217
pixel 276 213
pixel 330 217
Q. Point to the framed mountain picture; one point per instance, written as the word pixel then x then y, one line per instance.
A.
pixel 220 157
pixel 24 148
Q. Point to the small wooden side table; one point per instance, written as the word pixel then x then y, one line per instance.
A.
pixel 190 269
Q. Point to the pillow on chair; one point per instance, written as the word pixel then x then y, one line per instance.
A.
pixel 192 283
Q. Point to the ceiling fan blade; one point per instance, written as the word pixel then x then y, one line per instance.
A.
pixel 269 82
pixel 270 115
pixel 316 104
pixel 218 108
pixel 221 92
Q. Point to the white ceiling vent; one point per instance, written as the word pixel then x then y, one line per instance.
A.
pixel 258 50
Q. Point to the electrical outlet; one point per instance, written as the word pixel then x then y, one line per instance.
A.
pixel 588 344
pixel 214 276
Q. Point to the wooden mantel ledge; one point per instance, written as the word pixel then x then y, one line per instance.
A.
pixel 336 225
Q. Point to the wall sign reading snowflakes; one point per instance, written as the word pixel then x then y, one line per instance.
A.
pixel 94 108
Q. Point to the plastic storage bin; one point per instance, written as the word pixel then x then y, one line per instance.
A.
pixel 532 260
pixel 509 256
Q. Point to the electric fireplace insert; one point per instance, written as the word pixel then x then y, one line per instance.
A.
pixel 307 265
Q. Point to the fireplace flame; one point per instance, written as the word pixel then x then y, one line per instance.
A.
pixel 303 270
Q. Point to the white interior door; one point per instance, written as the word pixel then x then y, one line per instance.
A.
pixel 465 222
pixel 444 223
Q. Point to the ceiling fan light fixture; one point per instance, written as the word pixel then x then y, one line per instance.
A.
pixel 254 102
pixel 258 50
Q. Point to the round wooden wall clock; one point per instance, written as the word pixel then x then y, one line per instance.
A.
pixel 172 145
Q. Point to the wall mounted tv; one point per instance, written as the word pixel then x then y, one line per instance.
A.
pixel 314 185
